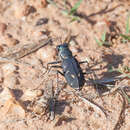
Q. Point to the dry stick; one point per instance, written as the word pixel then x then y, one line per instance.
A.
pixel 120 85
pixel 50 93
pixel 68 37
pixel 85 100
pixel 28 49
pixel 121 118
pixel 25 50
pixel 122 115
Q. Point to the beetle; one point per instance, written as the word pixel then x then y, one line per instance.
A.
pixel 70 66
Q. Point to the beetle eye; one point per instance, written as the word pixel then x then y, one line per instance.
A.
pixel 58 48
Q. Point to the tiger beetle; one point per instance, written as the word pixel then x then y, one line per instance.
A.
pixel 70 66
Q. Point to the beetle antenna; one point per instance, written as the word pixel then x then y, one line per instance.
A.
pixel 60 40
pixel 68 37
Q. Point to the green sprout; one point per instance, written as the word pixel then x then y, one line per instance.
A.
pixel 124 70
pixel 126 96
pixel 72 11
pixel 102 41
pixel 128 24
pixel 126 36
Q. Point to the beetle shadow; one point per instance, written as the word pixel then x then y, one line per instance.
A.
pixel 18 93
pixel 60 106
pixel 64 119
pixel 111 60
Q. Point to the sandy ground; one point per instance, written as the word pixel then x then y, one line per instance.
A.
pixel 29 22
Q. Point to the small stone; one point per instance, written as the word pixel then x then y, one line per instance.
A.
pixel 10 41
pixel 28 10
pixel 18 10
pixel 10 81
pixel 42 21
pixel 1 76
pixel 10 104
pixel 38 109
pixel 40 4
pixel 32 94
pixel 8 69
pixel 5 95
pixel 3 27
pixel 68 109
pixel 44 3
pixel 1 49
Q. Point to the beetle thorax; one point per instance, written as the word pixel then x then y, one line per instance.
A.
pixel 65 53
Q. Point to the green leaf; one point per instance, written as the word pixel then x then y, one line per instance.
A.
pixel 65 12
pixel 127 24
pixel 51 2
pixel 76 6
pixel 126 37
pixel 98 42
pixel 126 69
pixel 126 96
pixel 103 38
pixel 74 18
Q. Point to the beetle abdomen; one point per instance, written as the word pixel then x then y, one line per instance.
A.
pixel 73 72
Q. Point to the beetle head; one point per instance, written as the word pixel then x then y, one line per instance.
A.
pixel 63 51
pixel 62 47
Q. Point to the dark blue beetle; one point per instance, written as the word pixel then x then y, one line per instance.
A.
pixel 71 68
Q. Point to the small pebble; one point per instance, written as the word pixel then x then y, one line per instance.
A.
pixel 18 10
pixel 10 81
pixel 3 27
pixel 68 109
pixel 31 94
pixel 44 3
pixel 1 76
pixel 38 109
pixel 42 21
pixel 10 41
pixel 28 10
pixel 8 69
pixel 1 49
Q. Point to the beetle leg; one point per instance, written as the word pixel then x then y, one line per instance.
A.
pixel 51 63
pixel 60 72
pixel 54 62
pixel 54 66
pixel 81 62
pixel 87 73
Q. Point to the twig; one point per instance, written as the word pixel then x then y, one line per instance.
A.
pixel 122 115
pixel 120 85
pixel 50 96
pixel 85 100
pixel 27 49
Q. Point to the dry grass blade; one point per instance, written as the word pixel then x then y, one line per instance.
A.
pixel 122 115
pixel 10 104
pixel 50 93
pixel 93 105
pixel 119 85
pixel 28 49
pixel 68 37
pixel 13 57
